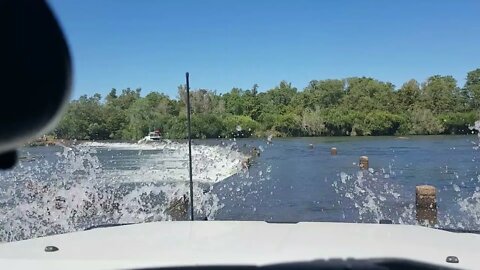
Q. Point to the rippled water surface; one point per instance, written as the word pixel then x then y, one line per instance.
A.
pixel 60 189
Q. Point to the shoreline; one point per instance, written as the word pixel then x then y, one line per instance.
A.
pixel 68 143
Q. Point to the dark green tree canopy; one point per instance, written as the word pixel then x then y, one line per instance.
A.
pixel 472 87
pixel 353 106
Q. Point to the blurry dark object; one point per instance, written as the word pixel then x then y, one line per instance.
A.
pixel 8 159
pixel 35 73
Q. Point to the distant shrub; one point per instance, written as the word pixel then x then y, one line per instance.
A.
pixel 424 122
pixel 458 122
pixel 289 125
pixel 239 126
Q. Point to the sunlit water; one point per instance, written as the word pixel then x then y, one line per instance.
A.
pixel 62 189
pixel 291 181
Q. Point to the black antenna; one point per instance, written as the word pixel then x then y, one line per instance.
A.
pixel 189 147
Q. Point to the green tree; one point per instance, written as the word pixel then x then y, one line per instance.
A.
pixel 278 100
pixel 382 123
pixel 458 122
pixel 424 122
pixel 239 126
pixel 83 120
pixel 408 95
pixel 313 123
pixel 125 99
pixel 207 126
pixel 441 94
pixel 342 121
pixel 253 107
pixel 234 101
pixel 353 106
pixel 289 124
pixel 115 121
pixel 367 94
pixel 324 94
pixel 472 88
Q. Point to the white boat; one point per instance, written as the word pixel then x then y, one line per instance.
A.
pixel 153 136
pixel 243 243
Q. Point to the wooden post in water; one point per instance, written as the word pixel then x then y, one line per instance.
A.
pixel 426 204
pixel 246 163
pixel 178 208
pixel 364 163
pixel 333 151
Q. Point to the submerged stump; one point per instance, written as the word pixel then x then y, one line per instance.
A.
pixel 333 151
pixel 246 163
pixel 178 208
pixel 426 204
pixel 364 163
pixel 255 152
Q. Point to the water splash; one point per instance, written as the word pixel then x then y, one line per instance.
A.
pixel 371 194
pixel 168 162
pixel 471 204
pixel 374 195
pixel 73 188
pixel 476 127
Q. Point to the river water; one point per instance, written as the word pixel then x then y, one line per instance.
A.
pixel 60 189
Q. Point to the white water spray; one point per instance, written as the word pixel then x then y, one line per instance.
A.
pixel 95 183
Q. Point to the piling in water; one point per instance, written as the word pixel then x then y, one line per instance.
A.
pixel 310 146
pixel 246 163
pixel 364 163
pixel 426 204
pixel 333 151
pixel 178 208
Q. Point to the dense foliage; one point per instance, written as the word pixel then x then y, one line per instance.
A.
pixel 352 106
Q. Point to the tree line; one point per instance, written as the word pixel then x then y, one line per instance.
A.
pixel 357 106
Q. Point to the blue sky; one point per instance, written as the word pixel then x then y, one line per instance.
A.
pixel 224 44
